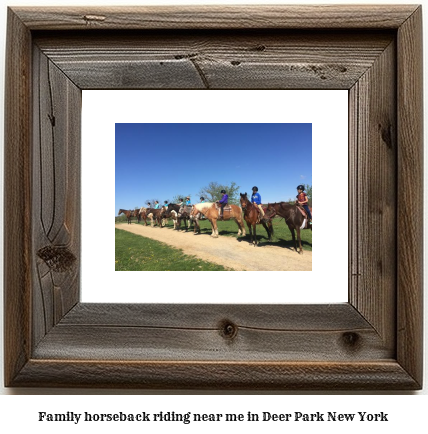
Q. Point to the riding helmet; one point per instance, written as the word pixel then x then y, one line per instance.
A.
pixel 223 191
pixel 301 187
pixel 201 198
pixel 255 188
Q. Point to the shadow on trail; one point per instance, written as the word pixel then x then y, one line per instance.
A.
pixel 261 239
pixel 285 244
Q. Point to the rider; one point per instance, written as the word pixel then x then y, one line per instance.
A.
pixel 165 204
pixel 202 199
pixel 302 200
pixel 180 204
pixel 257 200
pixel 188 203
pixel 156 204
pixel 223 202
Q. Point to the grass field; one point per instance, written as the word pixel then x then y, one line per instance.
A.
pixel 282 235
pixel 137 253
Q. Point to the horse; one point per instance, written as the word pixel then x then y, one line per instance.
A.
pixel 251 216
pixel 171 211
pixel 128 213
pixel 294 219
pixel 184 213
pixel 212 212
pixel 154 213
pixel 142 215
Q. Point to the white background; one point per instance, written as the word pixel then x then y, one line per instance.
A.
pixel 407 413
pixel 328 113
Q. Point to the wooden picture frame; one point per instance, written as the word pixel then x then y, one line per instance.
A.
pixel 372 342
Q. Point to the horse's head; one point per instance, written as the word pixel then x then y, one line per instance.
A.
pixel 194 211
pixel 270 211
pixel 244 200
pixel 201 208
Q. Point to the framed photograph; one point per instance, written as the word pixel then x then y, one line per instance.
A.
pixel 371 342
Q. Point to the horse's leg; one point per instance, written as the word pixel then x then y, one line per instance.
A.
pixel 250 231
pixel 212 228
pixel 267 230
pixel 293 235
pixel 255 234
pixel 215 229
pixel 300 241
pixel 239 226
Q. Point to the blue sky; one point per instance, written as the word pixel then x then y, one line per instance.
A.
pixel 164 160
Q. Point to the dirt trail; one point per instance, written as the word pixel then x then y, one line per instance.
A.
pixel 227 251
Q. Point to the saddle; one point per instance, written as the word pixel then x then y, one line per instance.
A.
pixel 305 215
pixel 226 210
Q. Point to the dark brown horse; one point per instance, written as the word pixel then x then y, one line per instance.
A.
pixel 170 212
pixel 155 214
pixel 128 213
pixel 142 215
pixel 251 216
pixel 293 219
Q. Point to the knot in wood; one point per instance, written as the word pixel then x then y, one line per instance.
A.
pixel 58 259
pixel 227 329
pixel 351 340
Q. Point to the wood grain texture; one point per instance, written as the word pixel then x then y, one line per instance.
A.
pixel 372 342
pixel 373 163
pixel 216 59
pixel 56 194
pixel 216 375
pixel 410 195
pixel 17 199
pixel 216 17
pixel 198 332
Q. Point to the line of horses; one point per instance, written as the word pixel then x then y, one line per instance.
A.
pixel 293 216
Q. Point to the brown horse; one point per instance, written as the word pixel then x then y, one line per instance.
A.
pixel 170 212
pixel 142 215
pixel 251 216
pixel 293 219
pixel 211 211
pixel 155 214
pixel 128 213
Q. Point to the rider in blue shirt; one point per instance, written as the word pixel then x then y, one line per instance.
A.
pixel 202 199
pixel 256 199
pixel 156 204
pixel 188 203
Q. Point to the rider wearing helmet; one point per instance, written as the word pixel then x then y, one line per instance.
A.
pixel 256 199
pixel 202 199
pixel 223 202
pixel 302 200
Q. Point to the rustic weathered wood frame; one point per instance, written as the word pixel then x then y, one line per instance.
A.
pixel 372 342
